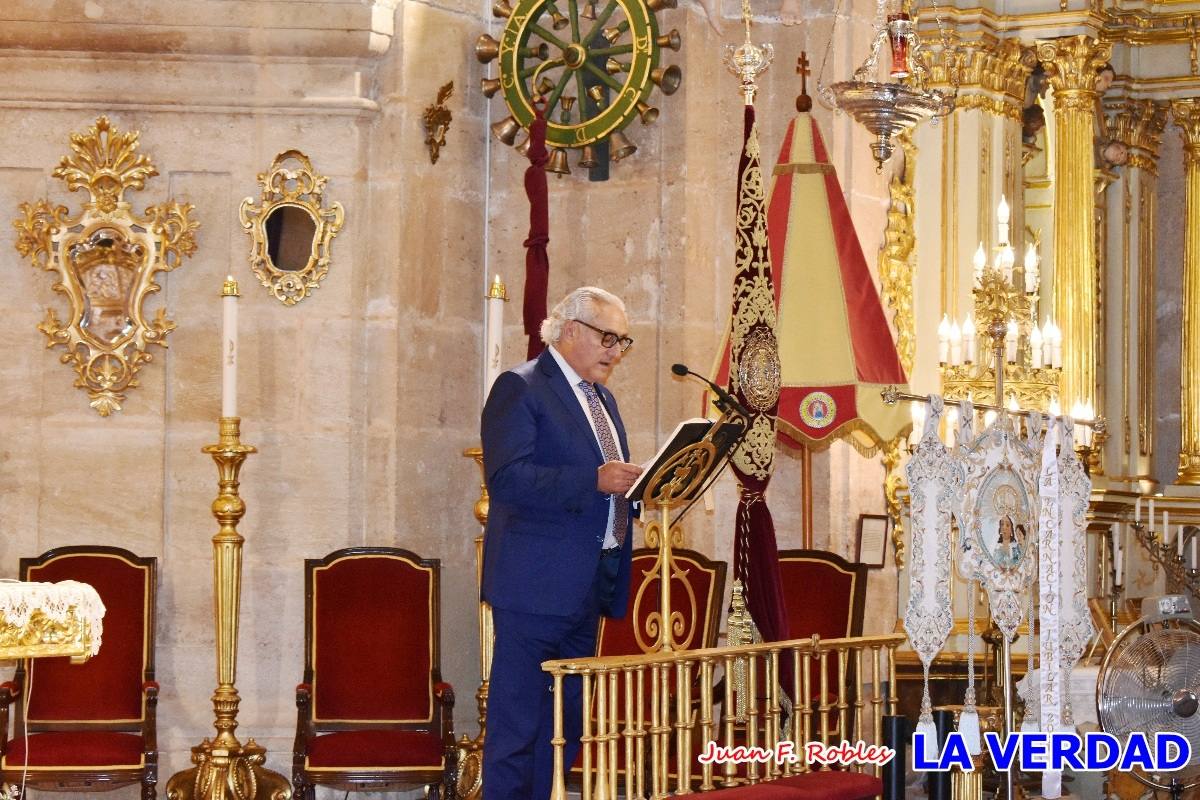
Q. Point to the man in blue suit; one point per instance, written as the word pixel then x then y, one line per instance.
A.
pixel 556 553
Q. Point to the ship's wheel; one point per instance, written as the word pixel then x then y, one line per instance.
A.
pixel 593 65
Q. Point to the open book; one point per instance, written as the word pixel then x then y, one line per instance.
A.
pixel 686 433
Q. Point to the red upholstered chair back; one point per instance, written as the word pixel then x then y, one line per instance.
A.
pixel 108 687
pixel 697 589
pixel 371 635
pixel 824 594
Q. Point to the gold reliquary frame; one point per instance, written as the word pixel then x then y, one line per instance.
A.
pixel 105 262
pixel 292 228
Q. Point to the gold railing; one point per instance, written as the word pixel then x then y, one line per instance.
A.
pixel 644 707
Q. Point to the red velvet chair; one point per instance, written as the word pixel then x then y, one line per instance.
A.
pixel 91 726
pixel 373 712
pixel 697 593
pixel 825 596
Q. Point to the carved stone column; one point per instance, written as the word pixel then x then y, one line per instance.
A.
pixel 1137 125
pixel 1071 65
pixel 1186 114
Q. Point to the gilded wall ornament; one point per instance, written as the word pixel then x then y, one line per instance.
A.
pixel 437 119
pixel 292 228
pixel 106 260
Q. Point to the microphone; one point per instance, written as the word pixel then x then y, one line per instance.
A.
pixel 725 401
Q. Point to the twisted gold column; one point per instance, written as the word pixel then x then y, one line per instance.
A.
pixel 225 769
pixel 1071 65
pixel 1186 114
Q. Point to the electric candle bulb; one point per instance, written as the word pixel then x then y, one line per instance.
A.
pixel 943 331
pixel 1007 260
pixel 955 344
pixel 968 332
pixel 1056 407
pixel 1010 342
pixel 1002 211
pixel 989 418
pixel 1031 269
pixel 1035 346
pixel 979 262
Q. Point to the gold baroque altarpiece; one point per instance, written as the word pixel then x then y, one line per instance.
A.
pixel 106 260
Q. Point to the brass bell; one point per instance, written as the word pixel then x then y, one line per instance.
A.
pixel 545 86
pixel 588 11
pixel 486 48
pixel 541 51
pixel 558 162
pixel 588 159
pixel 671 40
pixel 523 147
pixel 612 34
pixel 506 129
pixel 612 66
pixel 597 94
pixel 489 86
pixel 501 9
pixel 667 78
pixel 560 21
pixel 659 5
pixel 647 113
pixel 620 146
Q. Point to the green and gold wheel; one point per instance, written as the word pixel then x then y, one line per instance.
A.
pixel 594 67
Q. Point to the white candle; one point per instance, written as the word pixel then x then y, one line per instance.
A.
pixel 1031 269
pixel 1150 515
pixel 1137 510
pixel 1056 348
pixel 968 332
pixel 493 341
pixel 955 344
pixel 1035 346
pixel 229 343
pixel 943 331
pixel 1010 342
pixel 979 262
pixel 1195 564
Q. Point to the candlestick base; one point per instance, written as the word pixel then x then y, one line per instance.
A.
pixel 228 773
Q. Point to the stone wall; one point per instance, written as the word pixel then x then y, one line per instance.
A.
pixel 362 397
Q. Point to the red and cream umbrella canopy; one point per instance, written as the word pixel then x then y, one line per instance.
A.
pixel 836 351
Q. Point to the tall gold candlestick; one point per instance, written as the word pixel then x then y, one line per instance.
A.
pixel 226 769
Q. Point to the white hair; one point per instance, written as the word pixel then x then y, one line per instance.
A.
pixel 580 304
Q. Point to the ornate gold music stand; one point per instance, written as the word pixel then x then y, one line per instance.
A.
pixel 680 480
pixel 226 769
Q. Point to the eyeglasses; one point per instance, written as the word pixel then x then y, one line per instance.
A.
pixel 608 338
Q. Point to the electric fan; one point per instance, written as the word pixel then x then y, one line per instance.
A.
pixel 1149 681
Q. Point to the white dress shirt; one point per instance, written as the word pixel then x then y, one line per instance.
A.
pixel 610 540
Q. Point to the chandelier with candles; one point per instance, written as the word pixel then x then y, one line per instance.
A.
pixel 1006 305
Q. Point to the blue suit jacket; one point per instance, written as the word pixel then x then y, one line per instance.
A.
pixel 546 520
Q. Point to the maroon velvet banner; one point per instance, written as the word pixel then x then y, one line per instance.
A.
pixel 755 552
pixel 537 261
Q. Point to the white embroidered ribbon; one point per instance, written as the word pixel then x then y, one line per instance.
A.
pixel 935 481
pixel 19 599
pixel 1050 599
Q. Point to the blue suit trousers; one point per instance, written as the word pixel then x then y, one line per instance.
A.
pixel 518 760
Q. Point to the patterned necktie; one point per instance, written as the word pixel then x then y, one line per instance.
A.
pixel 609 448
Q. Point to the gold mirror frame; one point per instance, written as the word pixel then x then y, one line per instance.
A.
pixel 106 233
pixel 302 188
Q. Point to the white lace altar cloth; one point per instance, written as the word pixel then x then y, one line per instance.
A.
pixel 58 602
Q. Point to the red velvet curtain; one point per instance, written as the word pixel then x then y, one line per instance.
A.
pixel 537 261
